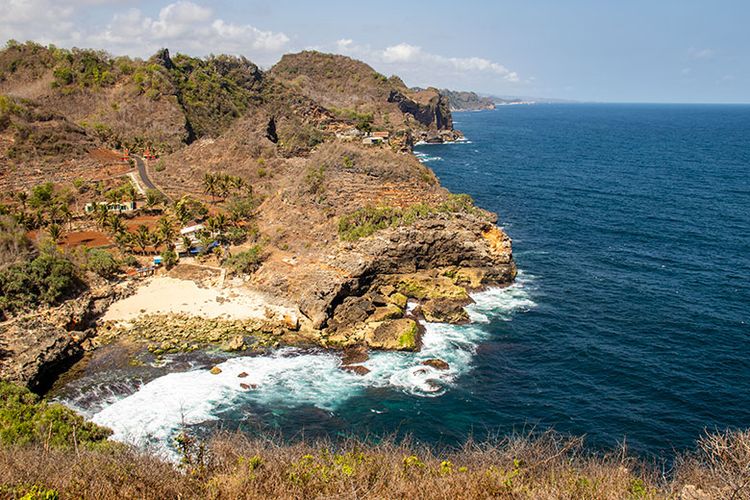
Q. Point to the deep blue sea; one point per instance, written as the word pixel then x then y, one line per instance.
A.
pixel 630 319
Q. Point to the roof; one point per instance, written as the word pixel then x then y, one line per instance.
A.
pixel 191 229
pixel 381 134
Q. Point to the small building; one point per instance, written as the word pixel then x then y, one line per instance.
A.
pixel 119 207
pixel 192 230
pixel 383 134
pixel 370 141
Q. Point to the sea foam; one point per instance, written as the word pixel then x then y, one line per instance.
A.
pixel 291 377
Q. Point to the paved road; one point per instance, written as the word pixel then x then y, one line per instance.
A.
pixel 142 172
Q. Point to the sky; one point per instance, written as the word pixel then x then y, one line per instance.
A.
pixel 588 50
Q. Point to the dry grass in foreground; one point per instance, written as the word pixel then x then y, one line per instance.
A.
pixel 235 466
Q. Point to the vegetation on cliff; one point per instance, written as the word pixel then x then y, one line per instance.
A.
pixel 47 451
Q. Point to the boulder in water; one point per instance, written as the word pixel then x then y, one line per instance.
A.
pixel 438 364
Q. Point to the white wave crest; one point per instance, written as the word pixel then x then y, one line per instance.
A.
pixel 290 377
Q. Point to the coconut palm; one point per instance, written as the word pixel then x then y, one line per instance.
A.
pixel 187 243
pixel 100 214
pixel 142 237
pixel 115 224
pixel 22 197
pixel 210 184
pixel 131 192
pixel 124 241
pixel 55 232
pixel 165 230
pixel 218 224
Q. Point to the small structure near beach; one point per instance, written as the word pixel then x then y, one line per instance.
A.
pixel 119 207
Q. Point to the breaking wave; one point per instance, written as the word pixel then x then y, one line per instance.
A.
pixel 292 377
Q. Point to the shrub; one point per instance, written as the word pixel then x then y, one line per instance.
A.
pixel 314 178
pixel 46 279
pixel 25 419
pixel 169 258
pixel 102 263
pixel 365 221
pixel 246 262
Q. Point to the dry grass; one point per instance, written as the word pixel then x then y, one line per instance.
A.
pixel 235 466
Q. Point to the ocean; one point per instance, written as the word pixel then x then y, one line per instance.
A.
pixel 629 321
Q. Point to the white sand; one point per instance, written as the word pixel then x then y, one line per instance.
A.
pixel 164 295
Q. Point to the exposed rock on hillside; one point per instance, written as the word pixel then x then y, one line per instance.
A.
pixel 467 101
pixel 351 231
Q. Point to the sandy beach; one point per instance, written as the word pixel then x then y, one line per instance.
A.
pixel 167 295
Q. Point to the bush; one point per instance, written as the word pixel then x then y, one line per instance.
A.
pixel 314 178
pixel 365 221
pixel 46 279
pixel 169 258
pixel 25 419
pixel 246 262
pixel 102 263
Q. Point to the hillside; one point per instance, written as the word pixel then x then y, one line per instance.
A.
pixel 303 176
pixel 467 101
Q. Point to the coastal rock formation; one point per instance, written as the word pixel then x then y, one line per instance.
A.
pixel 395 335
pixel 438 364
pixel 438 258
pixel 36 348
pixel 357 235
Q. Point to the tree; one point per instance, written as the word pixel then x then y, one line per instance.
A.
pixel 187 243
pixel 210 184
pixel 115 224
pixel 240 208
pixel 218 225
pixel 55 231
pixel 102 263
pixel 41 195
pixel 101 215
pixel 153 198
pixel 142 237
pixel 165 230
pixel 169 258
pixel 131 192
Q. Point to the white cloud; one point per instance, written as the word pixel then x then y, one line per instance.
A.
pixel 405 57
pixel 181 26
pixel 188 27
pixel 706 54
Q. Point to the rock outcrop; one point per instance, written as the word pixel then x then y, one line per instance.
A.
pixel 37 348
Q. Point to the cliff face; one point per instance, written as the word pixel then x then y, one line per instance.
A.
pixel 350 232
pixel 467 101
pixel 433 114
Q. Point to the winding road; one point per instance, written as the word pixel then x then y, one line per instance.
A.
pixel 145 179
pixel 141 165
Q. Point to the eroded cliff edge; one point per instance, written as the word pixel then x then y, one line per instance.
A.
pixel 355 232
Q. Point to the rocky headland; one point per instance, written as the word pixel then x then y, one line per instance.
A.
pixel 355 243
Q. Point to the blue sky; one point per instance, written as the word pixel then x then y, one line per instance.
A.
pixel 606 50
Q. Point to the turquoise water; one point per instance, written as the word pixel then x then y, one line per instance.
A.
pixel 630 319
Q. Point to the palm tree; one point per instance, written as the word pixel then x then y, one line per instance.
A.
pixel 187 243
pixel 218 225
pixel 131 192
pixel 165 230
pixel 55 232
pixel 67 216
pixel 100 214
pixel 124 240
pixel 210 184
pixel 142 237
pixel 224 185
pixel 115 224
pixel 181 211
pixel 22 197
